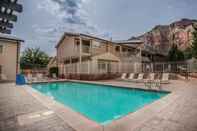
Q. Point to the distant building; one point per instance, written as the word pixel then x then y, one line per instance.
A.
pixel 9 57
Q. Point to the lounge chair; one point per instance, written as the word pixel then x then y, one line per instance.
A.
pixel 165 78
pixel 3 77
pixel 151 78
pixel 139 78
pixel 30 78
pixel 123 76
pixel 54 76
pixel 157 83
pixel 149 81
pixel 39 77
pixel 131 77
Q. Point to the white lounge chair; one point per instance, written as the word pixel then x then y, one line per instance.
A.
pixel 151 77
pixel 157 83
pixel 139 78
pixel 149 81
pixel 30 78
pixel 3 77
pixel 123 76
pixel 131 76
pixel 39 77
pixel 165 78
pixel 54 76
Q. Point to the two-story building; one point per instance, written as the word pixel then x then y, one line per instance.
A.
pixel 86 54
pixel 9 57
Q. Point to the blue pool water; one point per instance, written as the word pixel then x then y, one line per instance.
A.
pixel 98 102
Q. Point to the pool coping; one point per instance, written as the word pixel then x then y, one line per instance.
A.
pixel 80 123
pixel 99 83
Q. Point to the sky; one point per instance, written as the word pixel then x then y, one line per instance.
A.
pixel 43 22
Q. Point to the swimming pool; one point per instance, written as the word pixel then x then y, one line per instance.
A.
pixel 100 103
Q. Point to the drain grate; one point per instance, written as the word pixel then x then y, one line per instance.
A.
pixel 34 117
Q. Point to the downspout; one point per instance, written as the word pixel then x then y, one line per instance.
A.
pixel 17 57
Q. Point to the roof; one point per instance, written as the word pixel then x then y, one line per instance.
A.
pixel 133 43
pixel 10 38
pixel 128 41
pixel 78 35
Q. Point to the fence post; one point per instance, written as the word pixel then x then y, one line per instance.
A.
pixel 163 67
pixel 88 67
pixel 119 67
pixel 152 67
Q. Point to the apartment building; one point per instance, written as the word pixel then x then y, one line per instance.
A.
pixel 9 57
pixel 86 54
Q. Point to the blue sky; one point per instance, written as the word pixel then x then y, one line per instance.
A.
pixel 43 22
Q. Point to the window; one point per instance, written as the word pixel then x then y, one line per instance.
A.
pixel 77 42
pixel 101 65
pixel 129 50
pixel 86 46
pixel 86 42
pixel 96 44
pixel 124 49
pixel 76 45
pixel 1 49
pixel 117 48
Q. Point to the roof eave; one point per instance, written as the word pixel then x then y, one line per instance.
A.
pixel 9 39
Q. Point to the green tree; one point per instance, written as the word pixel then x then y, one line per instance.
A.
pixel 188 53
pixel 175 54
pixel 194 43
pixel 34 58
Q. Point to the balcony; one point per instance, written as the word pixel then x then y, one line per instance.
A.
pixel 86 49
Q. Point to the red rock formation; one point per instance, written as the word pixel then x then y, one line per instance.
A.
pixel 163 36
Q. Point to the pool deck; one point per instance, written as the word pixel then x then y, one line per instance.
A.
pixel 25 109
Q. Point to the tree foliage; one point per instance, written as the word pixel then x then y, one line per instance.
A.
pixel 53 70
pixel 194 43
pixel 33 58
pixel 188 53
pixel 175 54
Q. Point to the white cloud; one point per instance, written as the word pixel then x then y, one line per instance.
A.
pixel 71 18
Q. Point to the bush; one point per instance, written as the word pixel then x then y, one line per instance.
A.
pixel 53 70
pixel 175 54
pixel 194 43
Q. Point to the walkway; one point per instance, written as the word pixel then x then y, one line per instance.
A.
pixel 19 111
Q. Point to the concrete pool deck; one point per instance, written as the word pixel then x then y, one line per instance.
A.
pixel 22 108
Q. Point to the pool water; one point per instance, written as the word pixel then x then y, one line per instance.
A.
pixel 100 103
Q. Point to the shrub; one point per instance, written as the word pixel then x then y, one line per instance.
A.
pixel 53 70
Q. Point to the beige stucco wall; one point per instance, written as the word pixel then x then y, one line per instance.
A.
pixel 107 57
pixel 66 48
pixel 96 50
pixel 8 59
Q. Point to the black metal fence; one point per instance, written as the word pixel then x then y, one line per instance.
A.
pixel 172 67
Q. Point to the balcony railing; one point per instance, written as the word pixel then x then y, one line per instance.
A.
pixel 85 49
